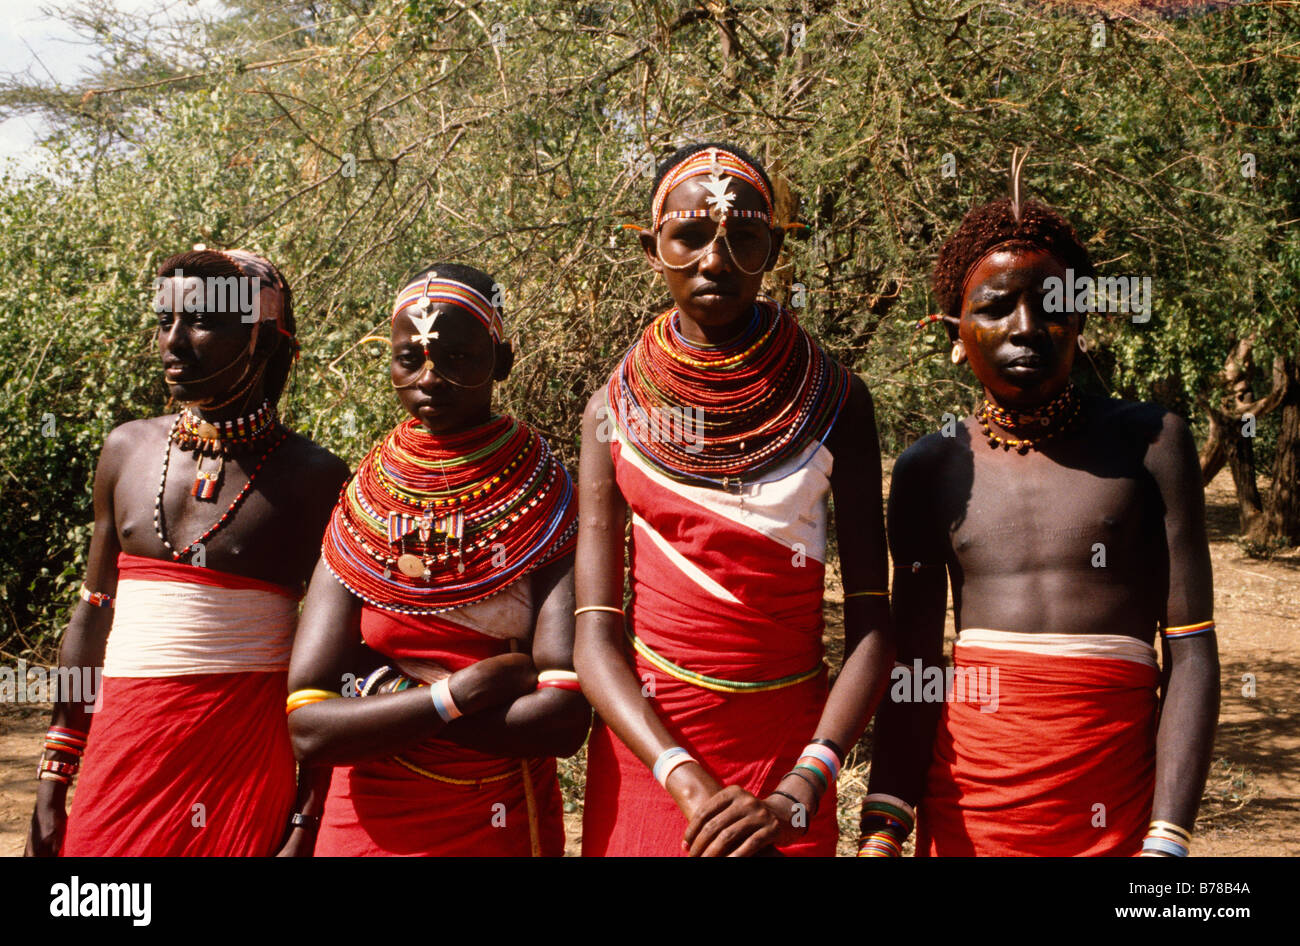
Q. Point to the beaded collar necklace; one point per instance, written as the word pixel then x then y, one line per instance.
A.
pixel 222 439
pixel 723 415
pixel 207 487
pixel 429 523
pixel 1047 422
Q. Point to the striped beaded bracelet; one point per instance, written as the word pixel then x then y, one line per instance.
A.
pixel 894 820
pixel 1166 839
pixel 825 755
pixel 96 599
pixel 1162 847
pixel 59 771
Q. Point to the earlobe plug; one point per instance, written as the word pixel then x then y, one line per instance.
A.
pixel 958 354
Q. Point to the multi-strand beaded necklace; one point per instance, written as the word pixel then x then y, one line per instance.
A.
pixel 1045 423
pixel 739 409
pixel 429 523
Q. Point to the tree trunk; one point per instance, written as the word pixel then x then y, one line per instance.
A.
pixel 1282 523
pixel 1227 443
pixel 1241 459
pixel 1215 452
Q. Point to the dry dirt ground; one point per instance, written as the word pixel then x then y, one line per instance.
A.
pixel 1252 801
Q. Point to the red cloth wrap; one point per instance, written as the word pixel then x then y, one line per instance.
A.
pixel 160 746
pixel 1068 733
pixel 381 807
pixel 745 739
pixel 776 628
pixel 140 568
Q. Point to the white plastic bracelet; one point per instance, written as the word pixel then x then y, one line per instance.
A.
pixel 440 693
pixel 668 760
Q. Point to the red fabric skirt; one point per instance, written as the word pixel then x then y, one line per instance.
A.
pixel 385 808
pixel 185 766
pixel 748 739
pixel 382 808
pixel 1063 766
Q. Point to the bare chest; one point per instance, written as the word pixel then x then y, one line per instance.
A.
pixel 1030 514
pixel 234 527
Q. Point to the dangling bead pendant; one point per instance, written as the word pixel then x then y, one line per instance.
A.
pixel 206 482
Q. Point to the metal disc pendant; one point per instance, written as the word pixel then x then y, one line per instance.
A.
pixel 412 566
pixel 207 431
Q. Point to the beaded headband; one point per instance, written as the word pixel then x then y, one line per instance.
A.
pixel 424 293
pixel 712 162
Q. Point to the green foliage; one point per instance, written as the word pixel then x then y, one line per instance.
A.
pixel 354 142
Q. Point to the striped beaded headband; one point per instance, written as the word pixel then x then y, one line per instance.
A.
pixel 268 277
pixel 431 290
pixel 713 162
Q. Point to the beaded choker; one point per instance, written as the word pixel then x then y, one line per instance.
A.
pixel 1045 423
pixel 227 437
pixel 221 439
pixel 429 523
pixel 723 415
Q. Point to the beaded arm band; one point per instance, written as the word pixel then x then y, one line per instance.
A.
pixel 53 770
pixel 559 680
pixel 1187 630
pixel 300 698
pixel 96 599
pixel 599 607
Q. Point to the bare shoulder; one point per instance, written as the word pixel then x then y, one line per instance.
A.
pixel 125 440
pixel 859 404
pixel 1156 429
pixel 924 462
pixel 596 404
pixel 314 462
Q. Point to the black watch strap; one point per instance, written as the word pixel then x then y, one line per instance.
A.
pixel 299 820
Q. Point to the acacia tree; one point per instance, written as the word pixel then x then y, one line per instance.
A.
pixel 353 142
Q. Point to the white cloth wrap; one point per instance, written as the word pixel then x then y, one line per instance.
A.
pixel 175 628
pixel 1111 646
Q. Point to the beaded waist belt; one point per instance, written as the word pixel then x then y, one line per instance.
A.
pixel 716 683
pixel 447 779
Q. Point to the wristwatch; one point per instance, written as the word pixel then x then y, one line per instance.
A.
pixel 299 820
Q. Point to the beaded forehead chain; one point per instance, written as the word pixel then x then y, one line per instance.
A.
pixel 713 162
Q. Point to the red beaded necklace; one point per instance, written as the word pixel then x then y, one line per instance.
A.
pixel 735 410
pixel 430 523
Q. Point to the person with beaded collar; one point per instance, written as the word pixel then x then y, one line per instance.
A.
pixel 190 596
pixel 1073 530
pixel 723 432
pixel 442 606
